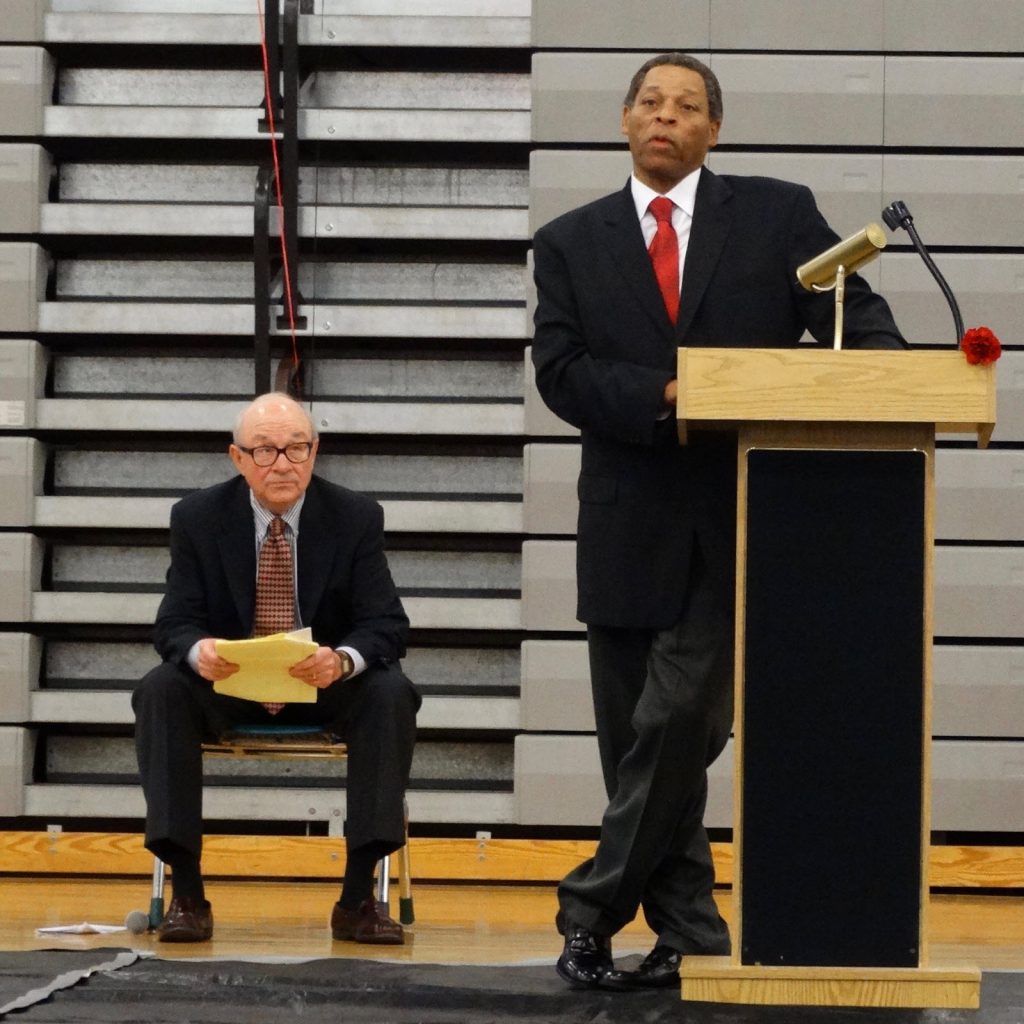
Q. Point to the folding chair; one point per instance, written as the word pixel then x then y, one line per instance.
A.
pixel 294 741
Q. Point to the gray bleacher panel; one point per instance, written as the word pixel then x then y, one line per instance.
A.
pixel 979 591
pixel 431 300
pixel 20 574
pixel 979 495
pixel 22 21
pixel 26 85
pixel 549 585
pixel 468 23
pixel 955 200
pixel 555 687
pixel 23 366
pixel 952 26
pixel 847 186
pixel 89 666
pixel 988 290
pixel 834 100
pixel 960 200
pixel 22 461
pixel 85 759
pixel 263 803
pixel 350 202
pixel 796 25
pixel 23 272
pixel 447 714
pixel 802 100
pixel 16 755
pixel 562 179
pixel 20 659
pixel 397 379
pixel 977 786
pixel 583 24
pixel 360 418
pixel 416 106
pixel 956 102
pixel 24 181
pixel 78 471
pixel 558 782
pixel 549 488
pixel 577 97
pixel 977 690
pixel 130 608
pixel 77 567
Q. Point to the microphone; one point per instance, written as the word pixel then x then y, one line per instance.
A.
pixel 851 254
pixel 137 922
pixel 896 215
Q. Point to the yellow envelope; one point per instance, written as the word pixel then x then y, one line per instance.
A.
pixel 263 668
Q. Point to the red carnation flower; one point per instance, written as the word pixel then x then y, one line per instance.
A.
pixel 981 346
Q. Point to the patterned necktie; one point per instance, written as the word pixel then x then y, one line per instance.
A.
pixel 275 589
pixel 664 253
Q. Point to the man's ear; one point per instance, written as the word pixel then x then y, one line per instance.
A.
pixel 236 455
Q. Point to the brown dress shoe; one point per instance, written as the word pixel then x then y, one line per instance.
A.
pixel 369 922
pixel 187 920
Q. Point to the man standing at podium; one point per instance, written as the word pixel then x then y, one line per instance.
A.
pixel 679 257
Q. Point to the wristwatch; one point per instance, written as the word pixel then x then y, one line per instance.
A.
pixel 346 663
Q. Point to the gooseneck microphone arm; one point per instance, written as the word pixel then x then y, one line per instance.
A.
pixel 896 215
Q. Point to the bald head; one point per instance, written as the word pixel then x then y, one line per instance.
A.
pixel 262 405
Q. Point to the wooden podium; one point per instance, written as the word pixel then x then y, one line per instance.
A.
pixel 833 666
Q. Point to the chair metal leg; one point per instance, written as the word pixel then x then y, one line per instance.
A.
pixel 406 915
pixel 156 899
pixel 383 880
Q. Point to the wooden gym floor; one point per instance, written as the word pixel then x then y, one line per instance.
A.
pixel 455 924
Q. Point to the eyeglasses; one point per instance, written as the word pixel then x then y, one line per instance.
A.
pixel 266 454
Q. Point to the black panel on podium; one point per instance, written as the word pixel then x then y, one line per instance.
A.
pixel 833 707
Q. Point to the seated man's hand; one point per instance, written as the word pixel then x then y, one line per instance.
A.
pixel 210 664
pixel 320 669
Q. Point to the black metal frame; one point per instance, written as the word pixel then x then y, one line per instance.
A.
pixel 282 54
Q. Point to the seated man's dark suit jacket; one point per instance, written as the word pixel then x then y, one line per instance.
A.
pixel 346 595
pixel 604 349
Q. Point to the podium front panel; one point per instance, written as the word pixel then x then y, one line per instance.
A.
pixel 832 710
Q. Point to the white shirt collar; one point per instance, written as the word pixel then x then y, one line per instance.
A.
pixel 262 516
pixel 683 194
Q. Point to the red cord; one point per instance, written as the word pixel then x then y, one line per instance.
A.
pixel 289 300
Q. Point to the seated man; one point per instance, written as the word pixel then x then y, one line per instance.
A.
pixel 274 549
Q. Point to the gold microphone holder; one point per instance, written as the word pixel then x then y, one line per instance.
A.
pixel 839 284
pixel 828 270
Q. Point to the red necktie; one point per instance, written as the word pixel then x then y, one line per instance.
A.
pixel 275 589
pixel 664 252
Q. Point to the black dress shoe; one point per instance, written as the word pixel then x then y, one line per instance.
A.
pixel 368 923
pixel 659 969
pixel 586 957
pixel 187 920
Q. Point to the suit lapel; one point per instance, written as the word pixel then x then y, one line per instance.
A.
pixel 237 545
pixel 315 549
pixel 712 221
pixel 623 246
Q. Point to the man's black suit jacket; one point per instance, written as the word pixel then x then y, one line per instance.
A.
pixel 346 593
pixel 604 349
